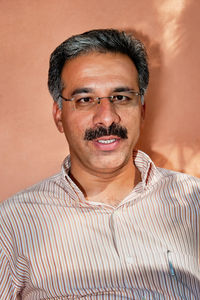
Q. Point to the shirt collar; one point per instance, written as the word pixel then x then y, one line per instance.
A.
pixel 149 173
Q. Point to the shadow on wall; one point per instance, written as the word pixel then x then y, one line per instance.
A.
pixel 152 98
pixel 185 159
pixel 180 154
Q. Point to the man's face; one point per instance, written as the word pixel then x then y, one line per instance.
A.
pixel 99 75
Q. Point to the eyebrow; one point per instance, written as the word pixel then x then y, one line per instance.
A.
pixel 81 90
pixel 90 90
pixel 123 89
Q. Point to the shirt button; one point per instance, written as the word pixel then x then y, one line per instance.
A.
pixel 129 260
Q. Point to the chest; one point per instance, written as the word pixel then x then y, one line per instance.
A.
pixel 70 250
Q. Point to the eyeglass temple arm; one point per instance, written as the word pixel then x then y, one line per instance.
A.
pixel 142 99
pixel 65 98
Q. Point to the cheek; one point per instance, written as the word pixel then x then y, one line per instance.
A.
pixel 132 122
pixel 75 128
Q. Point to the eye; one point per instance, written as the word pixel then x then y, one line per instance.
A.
pixel 84 101
pixel 121 98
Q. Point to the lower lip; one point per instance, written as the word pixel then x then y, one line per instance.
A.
pixel 107 147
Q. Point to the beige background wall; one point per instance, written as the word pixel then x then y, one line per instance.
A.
pixel 31 148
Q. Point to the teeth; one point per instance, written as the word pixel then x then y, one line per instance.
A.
pixel 106 141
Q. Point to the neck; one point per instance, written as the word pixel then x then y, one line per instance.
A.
pixel 109 188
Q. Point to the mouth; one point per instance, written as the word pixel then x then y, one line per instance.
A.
pixel 107 143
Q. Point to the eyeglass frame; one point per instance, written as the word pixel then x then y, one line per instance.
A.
pixel 98 99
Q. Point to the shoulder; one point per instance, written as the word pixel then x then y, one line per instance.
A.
pixel 44 192
pixel 47 191
pixel 20 213
pixel 178 178
pixel 178 186
pixel 156 177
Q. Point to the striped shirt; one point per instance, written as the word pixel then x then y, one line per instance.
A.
pixel 56 245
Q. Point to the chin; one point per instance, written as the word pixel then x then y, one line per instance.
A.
pixel 107 164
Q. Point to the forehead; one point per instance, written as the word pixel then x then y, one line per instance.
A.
pixel 96 69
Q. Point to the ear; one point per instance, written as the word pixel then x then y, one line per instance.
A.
pixel 57 115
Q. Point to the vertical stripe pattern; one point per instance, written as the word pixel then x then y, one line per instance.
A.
pixel 56 245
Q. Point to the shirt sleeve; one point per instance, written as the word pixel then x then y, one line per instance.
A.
pixel 10 286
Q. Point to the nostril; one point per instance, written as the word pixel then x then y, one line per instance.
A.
pixel 105 114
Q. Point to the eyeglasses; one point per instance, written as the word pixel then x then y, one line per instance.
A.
pixel 122 100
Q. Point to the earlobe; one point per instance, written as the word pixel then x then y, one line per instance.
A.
pixel 57 115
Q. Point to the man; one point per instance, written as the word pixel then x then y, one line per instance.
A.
pixel 111 225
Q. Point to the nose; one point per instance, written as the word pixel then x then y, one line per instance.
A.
pixel 105 114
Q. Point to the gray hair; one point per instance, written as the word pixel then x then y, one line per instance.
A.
pixel 103 41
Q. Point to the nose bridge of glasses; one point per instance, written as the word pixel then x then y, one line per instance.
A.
pixel 105 113
pixel 98 99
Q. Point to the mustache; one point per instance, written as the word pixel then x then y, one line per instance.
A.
pixel 113 129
